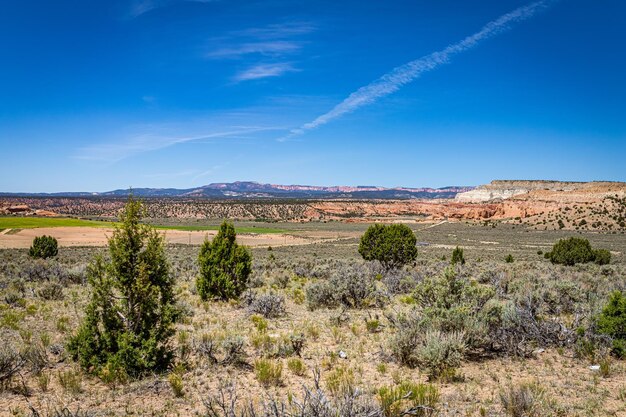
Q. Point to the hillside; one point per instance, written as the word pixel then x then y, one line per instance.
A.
pixel 255 190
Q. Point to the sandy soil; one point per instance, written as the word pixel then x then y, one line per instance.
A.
pixel 96 236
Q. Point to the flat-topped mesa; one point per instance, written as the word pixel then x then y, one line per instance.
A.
pixel 499 190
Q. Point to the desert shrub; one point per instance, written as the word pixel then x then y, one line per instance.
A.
pixel 509 259
pixel 35 356
pixel 71 380
pixel 399 282
pixel 50 291
pixel 11 363
pixel 129 320
pixel 350 285
pixel 268 372
pixel 224 266
pixel 416 342
pixel 296 366
pixel 233 348
pixel 176 383
pixel 321 294
pixel 574 250
pixel 314 402
pixel 452 302
pixel 392 245
pixel 281 279
pixel 601 256
pixel 44 247
pixel 341 381
pixel 408 398
pixel 39 270
pixel 612 322
pixel 268 305
pixel 457 257
pixel 439 352
pixel 523 400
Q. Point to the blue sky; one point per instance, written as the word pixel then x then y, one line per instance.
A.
pixel 98 95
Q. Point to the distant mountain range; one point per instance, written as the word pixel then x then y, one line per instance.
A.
pixel 255 190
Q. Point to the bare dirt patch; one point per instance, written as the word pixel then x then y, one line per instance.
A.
pixel 97 236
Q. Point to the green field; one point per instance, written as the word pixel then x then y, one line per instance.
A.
pixel 35 222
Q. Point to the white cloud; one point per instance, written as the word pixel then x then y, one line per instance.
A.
pixel 404 74
pixel 139 7
pixel 147 142
pixel 270 48
pixel 265 71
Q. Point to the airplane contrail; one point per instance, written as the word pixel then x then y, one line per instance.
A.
pixel 404 74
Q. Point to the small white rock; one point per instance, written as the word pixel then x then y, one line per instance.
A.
pixel 595 367
pixel 343 355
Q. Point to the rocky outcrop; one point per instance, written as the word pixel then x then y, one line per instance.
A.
pixel 499 190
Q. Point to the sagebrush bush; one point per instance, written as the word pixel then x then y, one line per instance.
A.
pixel 129 320
pixel 352 286
pixel 418 342
pixel 44 247
pixel 523 400
pixel 11 362
pixel 269 305
pixel 224 266
pixel 392 245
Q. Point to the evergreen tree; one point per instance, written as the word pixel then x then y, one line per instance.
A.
pixel 457 256
pixel 44 247
pixel 129 320
pixel 224 266
pixel 393 245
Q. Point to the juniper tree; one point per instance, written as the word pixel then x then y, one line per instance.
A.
pixel 457 256
pixel 393 245
pixel 44 247
pixel 224 266
pixel 129 320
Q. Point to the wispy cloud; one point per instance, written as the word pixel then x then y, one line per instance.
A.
pixel 278 30
pixel 404 74
pixel 113 152
pixel 264 71
pixel 269 48
pixel 265 49
pixel 139 7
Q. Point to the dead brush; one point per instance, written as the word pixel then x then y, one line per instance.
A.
pixel 314 402
pixel 269 305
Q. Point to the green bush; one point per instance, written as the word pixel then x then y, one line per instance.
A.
pixel 393 245
pixel 224 266
pixel 457 256
pixel 612 322
pixel 44 247
pixel 575 250
pixel 602 256
pixel 268 372
pixel 408 398
pixel 509 259
pixel 129 319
